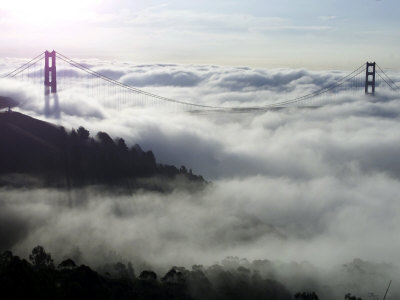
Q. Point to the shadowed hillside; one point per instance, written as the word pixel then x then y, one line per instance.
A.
pixel 35 152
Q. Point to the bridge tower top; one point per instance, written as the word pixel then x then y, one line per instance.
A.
pixel 50 74
pixel 370 78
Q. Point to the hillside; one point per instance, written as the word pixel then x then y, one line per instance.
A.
pixel 35 152
pixel 40 279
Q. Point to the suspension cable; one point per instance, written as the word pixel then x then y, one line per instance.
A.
pixel 390 79
pixel 26 65
pixel 295 100
pixel 395 89
pixel 321 91
pixel 115 82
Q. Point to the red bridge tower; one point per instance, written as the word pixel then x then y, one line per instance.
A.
pixel 50 74
pixel 370 79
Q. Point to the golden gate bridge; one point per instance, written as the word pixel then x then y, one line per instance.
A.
pixel 59 73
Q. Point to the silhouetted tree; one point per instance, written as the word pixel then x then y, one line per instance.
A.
pixel 131 271
pixel 183 170
pixel 348 296
pixel 148 275
pixel 122 145
pixel 40 259
pixel 306 296
pixel 67 264
pixel 105 139
pixel 125 272
pixel 5 259
pixel 22 280
pixel 173 276
pixel 83 133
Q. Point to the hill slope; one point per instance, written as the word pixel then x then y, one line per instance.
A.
pixel 55 157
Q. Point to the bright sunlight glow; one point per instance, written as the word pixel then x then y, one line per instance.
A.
pixel 48 12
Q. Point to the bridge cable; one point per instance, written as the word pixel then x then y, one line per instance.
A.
pixel 26 67
pixel 321 91
pixel 28 64
pixel 295 100
pixel 390 79
pixel 115 82
pixel 394 89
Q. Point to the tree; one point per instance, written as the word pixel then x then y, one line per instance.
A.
pixel 5 259
pixel 306 296
pixel 148 275
pixel 173 276
pixel 123 271
pixel 83 133
pixel 348 296
pixel 67 264
pixel 122 145
pixel 105 139
pixel 40 259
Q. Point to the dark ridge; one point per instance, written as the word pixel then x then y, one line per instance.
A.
pixel 7 102
pixel 37 153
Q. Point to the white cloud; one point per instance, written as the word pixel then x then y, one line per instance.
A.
pixel 318 184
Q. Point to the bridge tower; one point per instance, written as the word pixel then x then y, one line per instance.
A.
pixel 50 74
pixel 370 79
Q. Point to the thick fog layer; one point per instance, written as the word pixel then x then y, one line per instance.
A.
pixel 316 185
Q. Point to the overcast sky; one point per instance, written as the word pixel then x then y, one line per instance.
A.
pixel 315 34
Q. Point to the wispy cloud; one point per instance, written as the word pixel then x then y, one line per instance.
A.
pixel 327 18
pixel 186 20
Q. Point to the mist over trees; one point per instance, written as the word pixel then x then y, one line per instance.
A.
pixel 41 279
pixel 73 159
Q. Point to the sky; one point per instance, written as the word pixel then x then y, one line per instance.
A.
pixel 286 33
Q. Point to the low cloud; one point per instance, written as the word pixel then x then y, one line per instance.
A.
pixel 175 78
pixel 325 222
pixel 314 184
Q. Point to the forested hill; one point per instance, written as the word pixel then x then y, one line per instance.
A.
pixel 39 279
pixel 51 156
